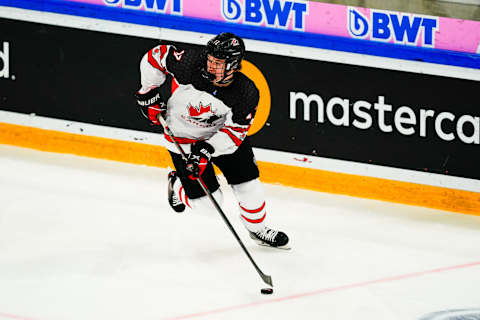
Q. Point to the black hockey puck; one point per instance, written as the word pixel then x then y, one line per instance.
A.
pixel 266 291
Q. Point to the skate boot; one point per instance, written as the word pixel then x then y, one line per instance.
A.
pixel 270 238
pixel 173 200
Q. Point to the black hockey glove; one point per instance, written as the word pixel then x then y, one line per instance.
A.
pixel 151 104
pixel 198 159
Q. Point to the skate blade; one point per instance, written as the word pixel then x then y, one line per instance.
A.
pixel 264 244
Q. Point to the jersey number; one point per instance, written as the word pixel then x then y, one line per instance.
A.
pixel 178 55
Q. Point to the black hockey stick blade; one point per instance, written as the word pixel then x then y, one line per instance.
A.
pixel 266 278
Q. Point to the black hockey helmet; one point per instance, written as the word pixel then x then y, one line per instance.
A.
pixel 224 46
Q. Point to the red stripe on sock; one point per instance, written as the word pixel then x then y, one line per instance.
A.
pixel 255 220
pixel 254 210
pixel 180 196
pixel 186 201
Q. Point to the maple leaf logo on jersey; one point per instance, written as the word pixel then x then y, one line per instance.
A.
pixel 202 113
pixel 195 111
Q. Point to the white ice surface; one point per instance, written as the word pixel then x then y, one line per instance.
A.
pixel 87 239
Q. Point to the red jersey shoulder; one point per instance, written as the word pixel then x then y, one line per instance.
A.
pixel 156 57
pixel 159 51
pixel 166 58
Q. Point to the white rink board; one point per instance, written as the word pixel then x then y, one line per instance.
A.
pixel 286 158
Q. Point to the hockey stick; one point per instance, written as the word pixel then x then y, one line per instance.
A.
pixel 266 278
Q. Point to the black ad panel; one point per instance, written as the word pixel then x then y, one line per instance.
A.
pixel 363 114
pixel 370 115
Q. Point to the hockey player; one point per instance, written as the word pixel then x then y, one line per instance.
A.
pixel 209 106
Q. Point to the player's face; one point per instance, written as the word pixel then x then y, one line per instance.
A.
pixel 216 67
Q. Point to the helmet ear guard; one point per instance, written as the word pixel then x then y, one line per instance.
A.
pixel 228 47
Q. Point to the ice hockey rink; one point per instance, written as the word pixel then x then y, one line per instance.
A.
pixel 83 238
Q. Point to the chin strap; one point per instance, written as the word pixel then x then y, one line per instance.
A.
pixel 226 80
pixel 211 77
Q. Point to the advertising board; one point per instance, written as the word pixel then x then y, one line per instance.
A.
pixel 317 109
pixel 321 18
pixel 322 25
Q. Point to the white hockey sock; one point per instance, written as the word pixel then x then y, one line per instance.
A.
pixel 251 203
pixel 180 193
pixel 205 204
pixel 200 203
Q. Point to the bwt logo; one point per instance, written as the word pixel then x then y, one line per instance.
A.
pixel 272 13
pixel 5 61
pixel 150 5
pixel 383 26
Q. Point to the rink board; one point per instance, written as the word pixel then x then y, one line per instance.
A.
pixel 380 33
pixel 418 194
pixel 295 144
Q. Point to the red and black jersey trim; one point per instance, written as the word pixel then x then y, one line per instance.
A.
pixel 180 140
pixel 168 87
pixel 230 131
pixel 238 129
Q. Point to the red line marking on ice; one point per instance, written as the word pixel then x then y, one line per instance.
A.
pixel 13 316
pixel 325 291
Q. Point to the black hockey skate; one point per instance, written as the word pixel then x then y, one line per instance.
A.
pixel 270 238
pixel 173 200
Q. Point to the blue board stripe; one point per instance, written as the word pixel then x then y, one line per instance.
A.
pixel 445 57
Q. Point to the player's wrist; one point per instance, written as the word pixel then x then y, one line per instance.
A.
pixel 151 103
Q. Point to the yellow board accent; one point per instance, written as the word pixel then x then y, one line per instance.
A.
pixel 318 180
pixel 89 146
pixel 265 99
pixel 372 188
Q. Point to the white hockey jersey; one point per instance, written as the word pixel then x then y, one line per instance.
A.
pixel 196 109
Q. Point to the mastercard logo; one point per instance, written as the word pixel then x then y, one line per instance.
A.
pixel 264 104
